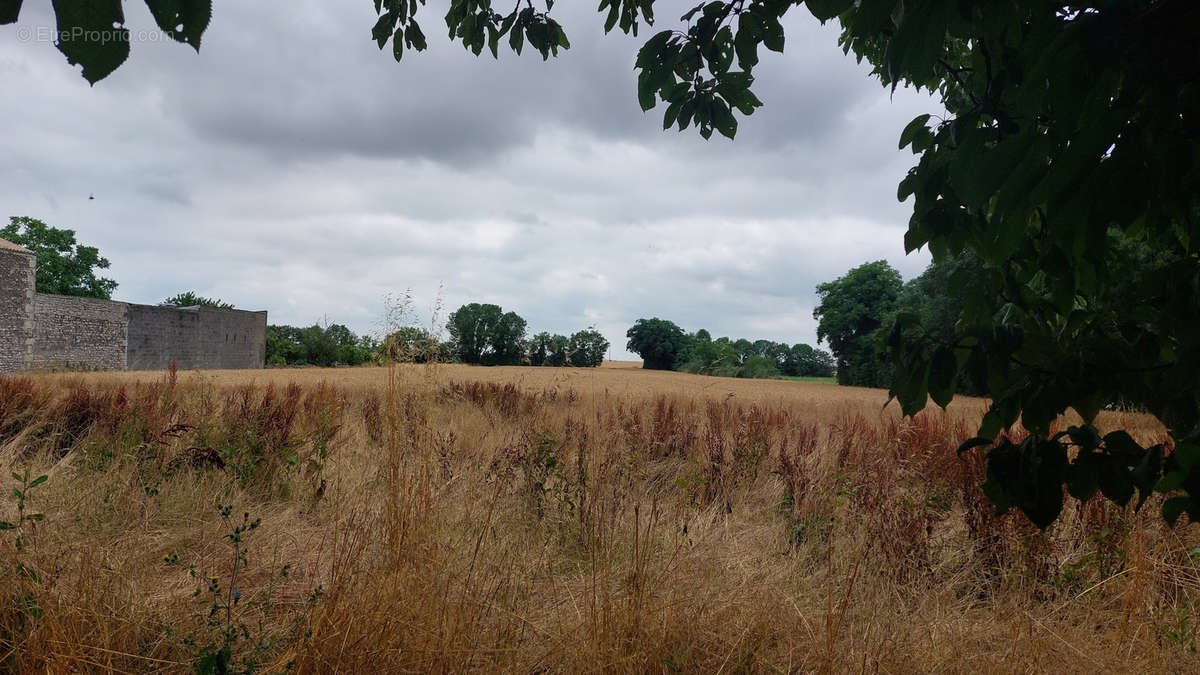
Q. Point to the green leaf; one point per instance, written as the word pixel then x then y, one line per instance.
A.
pixel 39 480
pixel 5 525
pixel 414 36
pixel 943 374
pixel 646 91
pixel 672 114
pixel 912 129
pixel 723 119
pixel 825 10
pixel 746 43
pixel 398 43
pixel 516 39
pixel 1147 473
pixel 772 34
pixel 182 20
pixel 9 9
pixel 91 33
pixel 1174 507
pixel 383 29
pixel 1115 482
pixel 970 443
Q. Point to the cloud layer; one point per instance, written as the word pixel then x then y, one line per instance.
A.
pixel 292 166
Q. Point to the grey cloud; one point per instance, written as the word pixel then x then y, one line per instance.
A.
pixel 291 166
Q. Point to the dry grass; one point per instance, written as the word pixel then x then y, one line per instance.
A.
pixel 518 519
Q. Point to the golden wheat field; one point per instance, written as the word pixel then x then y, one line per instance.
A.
pixel 453 518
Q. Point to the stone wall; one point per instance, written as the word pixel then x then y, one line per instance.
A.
pixel 40 331
pixel 16 305
pixel 160 335
pixel 70 332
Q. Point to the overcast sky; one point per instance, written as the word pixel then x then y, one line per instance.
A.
pixel 292 166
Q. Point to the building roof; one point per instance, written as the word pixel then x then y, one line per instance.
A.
pixel 6 245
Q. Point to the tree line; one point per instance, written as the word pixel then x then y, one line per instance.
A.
pixel 484 334
pixel 663 345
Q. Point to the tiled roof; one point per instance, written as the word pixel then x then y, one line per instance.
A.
pixel 9 246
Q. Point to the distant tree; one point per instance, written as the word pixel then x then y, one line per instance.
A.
pixel 485 334
pixel 851 310
pixel 558 350
pixel 317 346
pixel 806 361
pixel 587 348
pixel 506 340
pixel 538 348
pixel 712 357
pixel 190 299
pixel 756 366
pixel 657 341
pixel 64 267
pixel 411 344
pixel 283 345
pixel 744 349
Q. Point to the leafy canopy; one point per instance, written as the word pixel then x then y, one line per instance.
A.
pixel 1062 124
pixel 587 348
pixel 191 299
pixel 850 311
pixel 64 266
pixel 657 341
pixel 485 334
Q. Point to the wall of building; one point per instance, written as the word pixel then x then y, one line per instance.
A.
pixel 70 332
pixel 16 306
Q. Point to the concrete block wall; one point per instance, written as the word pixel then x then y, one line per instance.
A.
pixel 71 332
pixel 232 338
pixel 195 337
pixel 16 306
pixel 160 335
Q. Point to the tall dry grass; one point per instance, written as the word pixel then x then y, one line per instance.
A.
pixel 449 518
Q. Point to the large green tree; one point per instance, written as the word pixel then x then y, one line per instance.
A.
pixel 1059 122
pixel 657 341
pixel 64 266
pixel 486 334
pixel 850 312
pixel 587 348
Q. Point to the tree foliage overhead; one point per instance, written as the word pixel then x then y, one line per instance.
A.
pixel 191 299
pixel 92 33
pixel 1063 123
pixel 64 266
pixel 850 311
